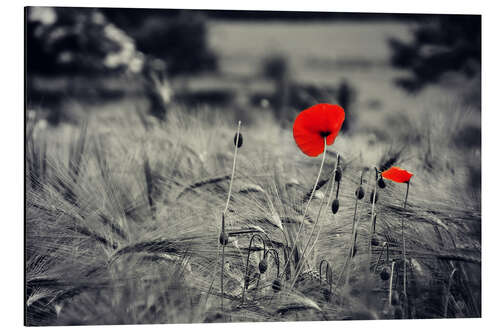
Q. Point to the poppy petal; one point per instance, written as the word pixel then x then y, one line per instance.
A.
pixel 313 124
pixel 397 175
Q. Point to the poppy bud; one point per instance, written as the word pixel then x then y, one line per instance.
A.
pixel 375 241
pixel 238 137
pixel 276 285
pixel 326 294
pixel 395 298
pixel 360 192
pixel 398 313
pixel 223 238
pixel 373 196
pixel 381 182
pixel 262 266
pixel 385 274
pixel 335 206
pixel 338 174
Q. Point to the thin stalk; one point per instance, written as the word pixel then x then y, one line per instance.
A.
pixel 403 237
pixel 222 281
pixel 309 202
pixel 248 259
pixel 305 252
pixel 386 247
pixel 390 282
pixel 450 280
pixel 351 249
pixel 224 213
pixel 372 219
pixel 234 167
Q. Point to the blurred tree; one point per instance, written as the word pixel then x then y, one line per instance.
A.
pixel 178 37
pixel 76 40
pixel 440 44
pixel 346 96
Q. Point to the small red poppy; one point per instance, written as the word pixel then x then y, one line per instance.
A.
pixel 397 175
pixel 314 124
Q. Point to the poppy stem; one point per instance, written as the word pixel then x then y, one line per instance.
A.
pixel 307 207
pixel 390 282
pixel 372 218
pixel 224 214
pixel 248 259
pixel 234 166
pixel 305 252
pixel 403 239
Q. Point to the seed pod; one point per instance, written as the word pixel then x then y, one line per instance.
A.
pixel 335 206
pixel 276 285
pixel 223 238
pixel 326 294
pixel 375 241
pixel 398 313
pixel 360 193
pixel 262 266
pixel 239 138
pixel 372 196
pixel 385 274
pixel 395 298
pixel 381 182
pixel 338 174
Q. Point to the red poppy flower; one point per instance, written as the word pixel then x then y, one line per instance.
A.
pixel 397 175
pixel 314 124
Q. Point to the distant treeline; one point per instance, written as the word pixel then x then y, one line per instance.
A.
pixel 269 15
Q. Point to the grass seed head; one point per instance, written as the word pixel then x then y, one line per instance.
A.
pixel 335 206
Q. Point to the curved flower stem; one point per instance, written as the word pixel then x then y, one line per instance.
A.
pixel 306 250
pixel 308 203
pixel 248 259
